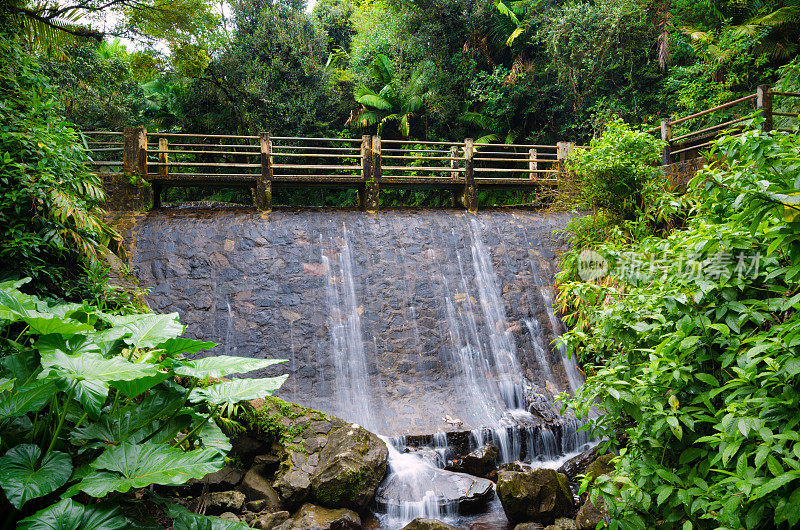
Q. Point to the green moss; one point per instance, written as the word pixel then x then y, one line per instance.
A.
pixel 344 489
pixel 270 421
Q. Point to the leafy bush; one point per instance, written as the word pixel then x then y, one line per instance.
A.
pixel 618 169
pixel 699 334
pixel 102 404
pixel 49 200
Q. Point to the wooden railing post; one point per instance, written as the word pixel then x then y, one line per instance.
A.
pixel 366 169
pixel 533 165
pixel 163 171
pixel 470 193
pixel 764 105
pixel 666 135
pixel 453 162
pixel 372 186
pixel 264 184
pixel 135 151
pixel 563 150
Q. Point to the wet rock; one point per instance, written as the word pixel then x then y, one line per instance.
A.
pixel 541 495
pixel 311 517
pixel 601 466
pixel 269 461
pixel 226 478
pixel 229 516
pixel 223 501
pixel 293 486
pixel 257 488
pixel 577 465
pixel 271 520
pixel 351 466
pixel 480 461
pixel 565 524
pixel 427 524
pixel 528 526
pixel 590 515
pixel 452 490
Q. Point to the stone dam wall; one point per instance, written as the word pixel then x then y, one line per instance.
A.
pixel 386 319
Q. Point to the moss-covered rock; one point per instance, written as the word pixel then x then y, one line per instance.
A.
pixel 351 465
pixel 311 517
pixel 427 524
pixel 541 495
pixel 601 466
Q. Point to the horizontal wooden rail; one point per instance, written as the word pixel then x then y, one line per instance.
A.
pixel 196 159
pixel 714 109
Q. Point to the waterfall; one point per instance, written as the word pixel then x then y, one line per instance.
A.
pixel 347 342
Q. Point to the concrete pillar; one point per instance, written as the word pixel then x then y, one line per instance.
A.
pixel 764 105
pixel 666 135
pixel 373 183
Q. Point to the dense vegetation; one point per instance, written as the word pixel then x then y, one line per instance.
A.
pixel 684 310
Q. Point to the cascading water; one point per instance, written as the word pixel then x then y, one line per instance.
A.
pixel 421 323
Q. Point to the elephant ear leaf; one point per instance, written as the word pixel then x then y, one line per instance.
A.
pixel 232 392
pixel 89 375
pixel 24 475
pixel 139 465
pixel 222 365
pixel 185 346
pixel 28 398
pixel 68 515
pixel 148 331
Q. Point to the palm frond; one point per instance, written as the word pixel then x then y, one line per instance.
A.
pixel 382 69
pixel 374 101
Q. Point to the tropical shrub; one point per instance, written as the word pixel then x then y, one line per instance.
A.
pixel 698 340
pixel 100 404
pixel 618 170
pixel 49 200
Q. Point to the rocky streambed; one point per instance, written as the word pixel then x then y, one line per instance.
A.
pixel 296 468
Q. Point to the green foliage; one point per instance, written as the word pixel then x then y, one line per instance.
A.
pixel 697 335
pixel 618 172
pixel 395 99
pixel 97 403
pixel 50 216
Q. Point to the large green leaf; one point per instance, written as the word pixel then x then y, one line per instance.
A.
pixel 211 435
pixel 17 306
pixel 23 477
pixel 72 345
pixel 133 422
pixel 186 520
pixel 90 373
pixel 185 346
pixel 222 365
pixel 148 331
pixel 137 387
pixel 70 515
pixel 28 398
pixel 139 465
pixel 237 390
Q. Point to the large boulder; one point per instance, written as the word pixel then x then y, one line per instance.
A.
pixel 541 495
pixel 311 517
pixel 351 466
pixel 427 524
pixel 448 489
pixel 481 461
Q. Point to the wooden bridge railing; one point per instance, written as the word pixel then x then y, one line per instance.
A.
pixel 369 163
pixel 699 130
